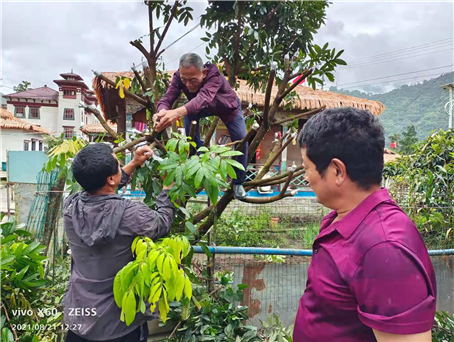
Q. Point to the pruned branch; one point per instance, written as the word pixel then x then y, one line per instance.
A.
pixel 236 56
pixel 150 25
pixel 138 45
pixel 314 111
pixel 103 122
pixel 172 15
pixel 130 145
pixel 266 181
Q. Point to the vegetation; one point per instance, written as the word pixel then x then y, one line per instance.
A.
pixel 406 144
pixel 23 86
pixel 428 175
pixel 421 104
pixel 30 300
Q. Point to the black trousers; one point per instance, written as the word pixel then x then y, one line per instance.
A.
pixel 138 335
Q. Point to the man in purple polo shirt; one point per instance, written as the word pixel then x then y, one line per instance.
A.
pixel 209 94
pixel 371 278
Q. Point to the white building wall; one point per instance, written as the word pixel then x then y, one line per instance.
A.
pixel 13 140
pixel 65 103
pixel 47 115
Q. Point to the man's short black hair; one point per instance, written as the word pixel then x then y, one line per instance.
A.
pixel 93 165
pixel 352 135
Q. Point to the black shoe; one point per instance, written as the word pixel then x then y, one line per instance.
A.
pixel 238 191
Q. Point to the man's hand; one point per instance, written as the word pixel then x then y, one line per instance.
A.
pixel 141 155
pixel 169 118
pixel 157 117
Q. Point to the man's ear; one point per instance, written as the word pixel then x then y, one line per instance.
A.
pixel 204 72
pixel 340 170
pixel 110 180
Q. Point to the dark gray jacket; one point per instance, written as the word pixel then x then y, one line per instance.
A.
pixel 100 230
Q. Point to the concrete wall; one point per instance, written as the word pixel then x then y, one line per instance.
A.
pixel 13 140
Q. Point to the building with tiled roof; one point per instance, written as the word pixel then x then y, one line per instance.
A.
pixel 19 135
pixel 57 111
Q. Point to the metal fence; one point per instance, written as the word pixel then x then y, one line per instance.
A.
pixel 276 278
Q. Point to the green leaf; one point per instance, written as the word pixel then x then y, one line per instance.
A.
pixel 187 288
pixel 129 307
pixel 7 335
pixel 205 249
pixel 199 177
pixel 118 293
pixel 191 228
pixel 231 172
pixel 231 154
pixel 234 163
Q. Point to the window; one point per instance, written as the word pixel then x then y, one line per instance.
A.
pixel 26 145
pixel 33 113
pixel 69 132
pixel 68 114
pixel 40 145
pixel 19 112
pixel 33 145
pixel 69 94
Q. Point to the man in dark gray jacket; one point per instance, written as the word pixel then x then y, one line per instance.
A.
pixel 101 226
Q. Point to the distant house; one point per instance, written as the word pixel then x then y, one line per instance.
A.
pixel 96 130
pixel 19 135
pixel 3 101
pixel 55 111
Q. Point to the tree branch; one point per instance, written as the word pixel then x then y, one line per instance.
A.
pixel 275 182
pixel 255 183
pixel 141 48
pixel 278 197
pixel 172 15
pixel 243 142
pixel 236 64
pixel 275 153
pixel 139 79
pixel 127 92
pixel 314 111
pixel 103 122
pixel 269 87
pixel 293 86
pixel 211 131
pixel 150 24
pixel 7 318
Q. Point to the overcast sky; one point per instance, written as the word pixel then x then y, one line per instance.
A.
pixel 40 40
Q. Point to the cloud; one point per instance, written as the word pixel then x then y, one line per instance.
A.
pixel 43 39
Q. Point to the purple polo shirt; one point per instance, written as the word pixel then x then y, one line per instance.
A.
pixel 370 270
pixel 215 96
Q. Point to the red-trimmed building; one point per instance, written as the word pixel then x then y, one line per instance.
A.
pixel 57 111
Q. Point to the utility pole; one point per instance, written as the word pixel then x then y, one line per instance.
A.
pixel 449 87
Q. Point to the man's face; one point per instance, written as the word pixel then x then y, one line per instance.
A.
pixel 320 185
pixel 192 78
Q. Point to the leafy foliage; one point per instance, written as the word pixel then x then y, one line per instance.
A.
pixel 252 34
pixel 208 169
pixel 444 329
pixel 21 265
pixel 23 86
pixel 218 317
pixel 60 158
pixel 429 175
pixel 405 145
pixel 157 276
pixel 273 330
